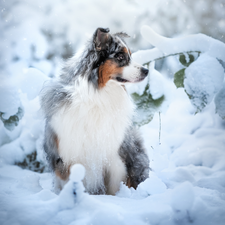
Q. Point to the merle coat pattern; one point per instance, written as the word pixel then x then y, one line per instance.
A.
pixel 56 94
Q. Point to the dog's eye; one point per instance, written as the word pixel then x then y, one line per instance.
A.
pixel 120 56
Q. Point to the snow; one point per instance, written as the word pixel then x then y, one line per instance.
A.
pixel 155 83
pixel 187 157
pixel 32 82
pixel 151 186
pixel 26 137
pixel 203 79
pixel 183 197
pixel 77 173
pixel 169 46
pixel 220 102
pixel 186 183
pixel 9 93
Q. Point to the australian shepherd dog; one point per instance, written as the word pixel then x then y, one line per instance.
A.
pixel 89 117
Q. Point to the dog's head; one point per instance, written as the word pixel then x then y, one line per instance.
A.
pixel 114 60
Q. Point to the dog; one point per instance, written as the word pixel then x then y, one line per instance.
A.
pixel 89 115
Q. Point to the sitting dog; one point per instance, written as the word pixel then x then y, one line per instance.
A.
pixel 89 117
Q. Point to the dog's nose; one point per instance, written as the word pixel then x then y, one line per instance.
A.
pixel 144 71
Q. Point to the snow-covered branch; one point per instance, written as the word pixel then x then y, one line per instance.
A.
pixel 202 75
pixel 165 47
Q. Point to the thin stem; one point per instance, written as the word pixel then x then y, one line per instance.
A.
pixel 179 53
pixel 159 128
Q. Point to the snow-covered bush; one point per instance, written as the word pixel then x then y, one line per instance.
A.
pixel 202 75
pixel 21 124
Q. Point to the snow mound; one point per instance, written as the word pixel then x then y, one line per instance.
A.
pixel 203 79
pixel 77 173
pixel 220 102
pixel 156 86
pixel 151 186
pixel 73 191
pixel 32 82
pixel 9 94
pixel 182 200
pixel 183 197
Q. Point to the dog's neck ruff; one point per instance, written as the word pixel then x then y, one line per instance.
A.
pixel 91 129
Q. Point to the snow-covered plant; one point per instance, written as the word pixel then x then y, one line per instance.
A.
pixel 202 75
pixel 146 105
pixel 11 110
pixel 13 121
pixel 21 125
pixel 73 191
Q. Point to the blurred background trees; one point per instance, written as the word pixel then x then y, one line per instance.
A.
pixel 42 33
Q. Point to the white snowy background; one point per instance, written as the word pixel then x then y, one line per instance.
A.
pixel 186 149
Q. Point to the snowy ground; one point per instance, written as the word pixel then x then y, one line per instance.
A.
pixel 186 184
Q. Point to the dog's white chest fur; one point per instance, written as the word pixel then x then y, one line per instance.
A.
pixel 91 129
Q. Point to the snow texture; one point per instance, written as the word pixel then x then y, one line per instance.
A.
pixel 155 83
pixel 77 173
pixel 203 79
pixel 220 102
pixel 186 183
pixel 169 46
pixel 9 93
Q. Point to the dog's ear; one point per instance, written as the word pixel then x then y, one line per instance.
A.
pixel 102 39
pixel 122 35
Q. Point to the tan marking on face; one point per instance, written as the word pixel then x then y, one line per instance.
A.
pixel 127 51
pixel 108 71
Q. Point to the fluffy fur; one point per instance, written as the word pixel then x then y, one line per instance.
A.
pixel 89 117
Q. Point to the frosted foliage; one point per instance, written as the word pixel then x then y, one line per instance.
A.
pixel 9 100
pixel 156 84
pixel 32 82
pixel 220 102
pixel 203 79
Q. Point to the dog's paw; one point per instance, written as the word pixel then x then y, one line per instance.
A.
pixel 136 176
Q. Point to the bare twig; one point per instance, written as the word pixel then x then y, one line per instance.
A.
pixel 159 128
pixel 179 53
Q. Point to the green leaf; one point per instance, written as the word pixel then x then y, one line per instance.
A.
pixel 183 60
pixel 203 103
pixel 179 78
pixel 146 106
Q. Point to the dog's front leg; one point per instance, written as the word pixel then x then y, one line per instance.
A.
pixel 135 158
pixel 116 173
